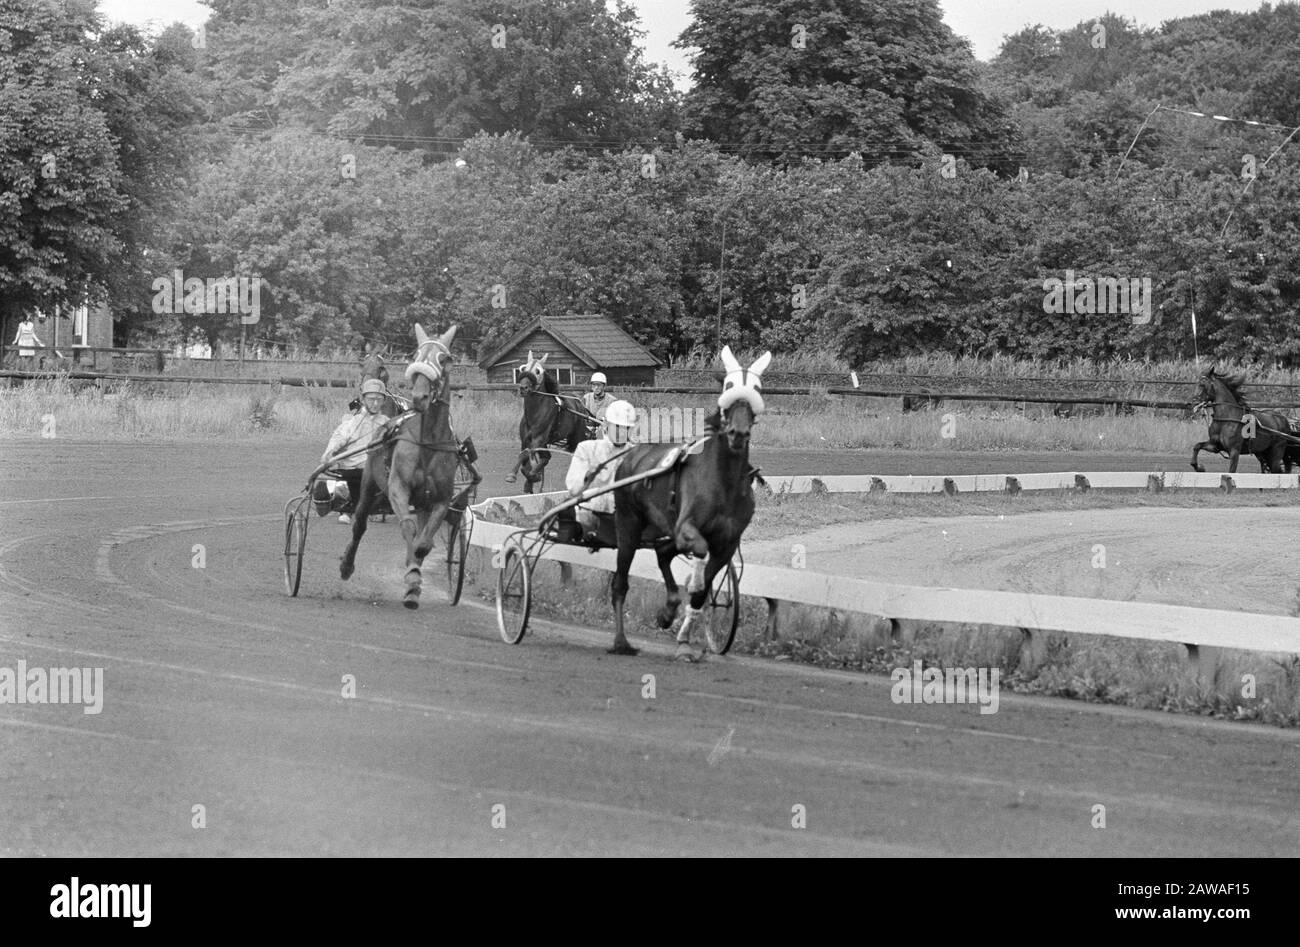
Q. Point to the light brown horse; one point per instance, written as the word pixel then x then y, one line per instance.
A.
pixel 416 466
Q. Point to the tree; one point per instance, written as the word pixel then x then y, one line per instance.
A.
pixel 59 172
pixel 89 157
pixel 430 74
pixel 830 77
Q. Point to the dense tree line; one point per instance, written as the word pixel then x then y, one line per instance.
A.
pixel 860 183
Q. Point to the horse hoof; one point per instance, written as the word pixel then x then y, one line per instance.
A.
pixel 511 478
pixel 665 617
pixel 411 603
pixel 686 653
pixel 622 647
pixel 345 570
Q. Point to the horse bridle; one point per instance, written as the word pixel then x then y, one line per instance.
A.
pixel 442 396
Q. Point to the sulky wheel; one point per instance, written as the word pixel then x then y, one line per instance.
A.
pixel 514 591
pixel 295 542
pixel 460 525
pixel 722 611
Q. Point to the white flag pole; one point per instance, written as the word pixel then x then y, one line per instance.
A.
pixel 1195 347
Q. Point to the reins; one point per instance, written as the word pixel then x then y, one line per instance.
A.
pixel 394 436
pixel 1247 411
pixel 559 403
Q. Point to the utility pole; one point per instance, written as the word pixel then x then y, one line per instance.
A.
pixel 722 269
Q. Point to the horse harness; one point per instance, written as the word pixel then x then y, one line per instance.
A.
pixel 562 406
pixel 676 459
pixel 1248 412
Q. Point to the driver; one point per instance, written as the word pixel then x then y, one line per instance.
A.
pixel 355 432
pixel 597 401
pixel 585 469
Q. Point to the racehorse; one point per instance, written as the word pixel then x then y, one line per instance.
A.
pixel 702 502
pixel 550 418
pixel 372 366
pixel 416 465
pixel 1222 394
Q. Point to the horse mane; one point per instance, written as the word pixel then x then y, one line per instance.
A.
pixel 1234 385
pixel 550 383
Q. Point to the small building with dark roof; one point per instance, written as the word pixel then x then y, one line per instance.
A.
pixel 577 346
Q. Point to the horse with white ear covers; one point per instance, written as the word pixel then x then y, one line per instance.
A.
pixel 740 382
pixel 702 509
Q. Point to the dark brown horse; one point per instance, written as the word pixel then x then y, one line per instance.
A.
pixel 1222 395
pixel 702 504
pixel 550 419
pixel 416 467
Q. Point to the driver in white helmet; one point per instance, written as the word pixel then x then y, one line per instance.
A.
pixel 596 401
pixel 356 432
pixel 591 465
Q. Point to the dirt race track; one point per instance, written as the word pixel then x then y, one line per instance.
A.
pixel 222 692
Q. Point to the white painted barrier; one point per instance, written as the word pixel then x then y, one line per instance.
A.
pixel 536 503
pixel 1065 480
pixel 1143 621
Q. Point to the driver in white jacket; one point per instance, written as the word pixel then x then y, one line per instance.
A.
pixel 357 431
pixel 616 436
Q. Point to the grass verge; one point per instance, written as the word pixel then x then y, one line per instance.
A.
pixel 174 411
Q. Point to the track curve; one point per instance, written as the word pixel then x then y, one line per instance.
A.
pixel 223 692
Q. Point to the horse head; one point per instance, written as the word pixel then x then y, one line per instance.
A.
pixel 1217 388
pixel 532 374
pixel 428 372
pixel 741 401
pixel 372 366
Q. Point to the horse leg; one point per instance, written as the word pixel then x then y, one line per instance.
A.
pixel 415 559
pixel 536 469
pixel 627 543
pixel 668 614
pixel 699 586
pixel 360 515
pixel 429 524
pixel 689 540
pixel 1234 455
pixel 399 497
pixel 519 462
pixel 1196 450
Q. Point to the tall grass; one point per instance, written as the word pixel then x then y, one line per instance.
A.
pixel 157 411
pixel 173 412
pixel 826 362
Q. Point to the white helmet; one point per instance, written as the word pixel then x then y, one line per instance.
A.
pixel 599 379
pixel 621 413
pixel 620 419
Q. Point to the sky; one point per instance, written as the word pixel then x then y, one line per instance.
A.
pixel 983 22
